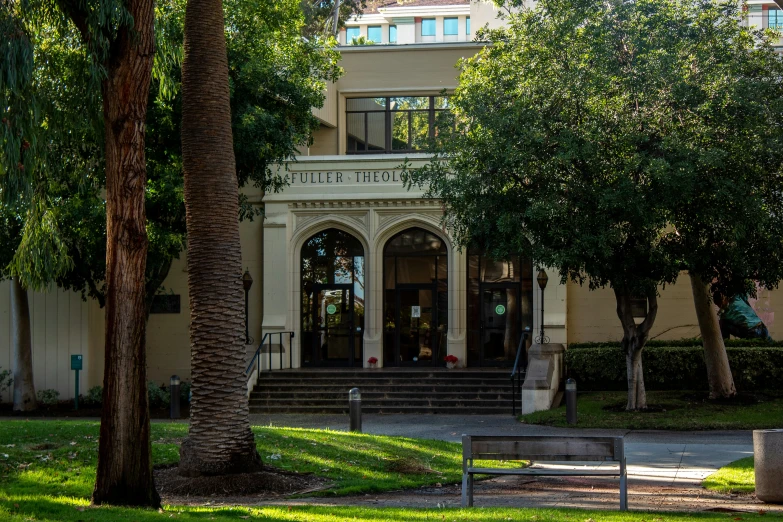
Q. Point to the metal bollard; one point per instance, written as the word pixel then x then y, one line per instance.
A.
pixel 355 409
pixel 570 393
pixel 174 397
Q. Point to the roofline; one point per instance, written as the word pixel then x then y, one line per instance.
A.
pixel 411 47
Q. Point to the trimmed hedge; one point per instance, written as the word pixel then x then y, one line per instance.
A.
pixel 681 343
pixel 602 368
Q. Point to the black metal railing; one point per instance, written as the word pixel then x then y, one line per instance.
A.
pixel 267 341
pixel 517 372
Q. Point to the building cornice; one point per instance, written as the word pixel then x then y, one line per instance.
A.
pixel 431 46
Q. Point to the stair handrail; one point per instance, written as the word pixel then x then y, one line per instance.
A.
pixel 516 385
pixel 253 370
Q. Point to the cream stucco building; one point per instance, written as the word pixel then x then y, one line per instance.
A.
pixel 354 263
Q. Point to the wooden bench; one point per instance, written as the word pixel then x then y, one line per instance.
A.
pixel 540 448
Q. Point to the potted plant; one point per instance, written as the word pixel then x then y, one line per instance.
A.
pixel 451 361
pixel 373 362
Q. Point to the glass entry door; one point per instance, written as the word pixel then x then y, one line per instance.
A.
pixel 333 328
pixel 417 329
pixel 500 324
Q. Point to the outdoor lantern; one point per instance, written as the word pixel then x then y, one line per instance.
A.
pixel 247 280
pixel 542 278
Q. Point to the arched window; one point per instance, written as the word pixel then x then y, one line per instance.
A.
pixel 332 283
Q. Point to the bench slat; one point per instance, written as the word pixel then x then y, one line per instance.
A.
pixel 547 472
pixel 542 449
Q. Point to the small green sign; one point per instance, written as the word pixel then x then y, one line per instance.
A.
pixel 500 309
pixel 331 309
pixel 76 362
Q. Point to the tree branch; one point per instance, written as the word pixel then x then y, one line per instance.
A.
pixel 78 16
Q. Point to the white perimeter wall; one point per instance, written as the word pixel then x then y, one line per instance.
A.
pixel 59 329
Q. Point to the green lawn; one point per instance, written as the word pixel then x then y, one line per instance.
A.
pixel 679 410
pixel 47 469
pixel 736 477
pixel 64 510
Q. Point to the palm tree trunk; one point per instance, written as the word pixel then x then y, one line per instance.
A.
pixel 24 389
pixel 719 375
pixel 220 441
pixel 124 474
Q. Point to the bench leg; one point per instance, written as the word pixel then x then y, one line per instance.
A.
pixel 623 490
pixel 467 490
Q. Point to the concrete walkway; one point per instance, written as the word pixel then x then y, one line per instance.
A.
pixel 665 468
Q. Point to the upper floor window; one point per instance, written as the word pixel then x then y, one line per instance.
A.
pixel 428 27
pixel 774 18
pixel 467 25
pixel 352 33
pixel 392 34
pixel 396 124
pixel 450 26
pixel 374 33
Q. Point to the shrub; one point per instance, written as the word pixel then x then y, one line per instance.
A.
pixel 159 397
pixel 184 392
pixel 48 397
pixel 94 397
pixel 673 368
pixel 5 380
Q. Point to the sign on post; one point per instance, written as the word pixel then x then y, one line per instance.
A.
pixel 76 365
pixel 415 311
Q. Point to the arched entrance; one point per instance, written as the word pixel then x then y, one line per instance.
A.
pixel 415 304
pixel 500 307
pixel 333 295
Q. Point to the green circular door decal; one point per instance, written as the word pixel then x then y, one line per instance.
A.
pixel 331 309
pixel 500 309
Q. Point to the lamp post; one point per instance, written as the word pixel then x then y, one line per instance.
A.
pixel 247 282
pixel 542 279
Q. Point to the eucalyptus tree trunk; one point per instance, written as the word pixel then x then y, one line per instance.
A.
pixel 22 346
pixel 220 441
pixel 634 339
pixel 124 474
pixel 719 375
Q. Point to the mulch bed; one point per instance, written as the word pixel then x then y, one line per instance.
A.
pixel 270 482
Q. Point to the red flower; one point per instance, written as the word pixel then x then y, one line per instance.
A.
pixel 451 359
pixel 372 360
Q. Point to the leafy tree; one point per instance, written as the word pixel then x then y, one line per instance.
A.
pixel 598 131
pixel 319 15
pixel 119 41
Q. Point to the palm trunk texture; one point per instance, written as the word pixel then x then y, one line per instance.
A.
pixel 124 473
pixel 220 441
pixel 634 339
pixel 719 375
pixel 24 389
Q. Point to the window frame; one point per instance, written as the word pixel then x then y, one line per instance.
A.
pixel 454 19
pixel 777 24
pixel 393 27
pixel 380 33
pixel 433 22
pixel 389 121
pixel 467 25
pixel 349 39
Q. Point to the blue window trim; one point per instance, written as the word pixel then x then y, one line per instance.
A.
pixel 351 33
pixel 467 25
pixel 451 31
pixel 376 28
pixel 774 18
pixel 429 23
pixel 393 31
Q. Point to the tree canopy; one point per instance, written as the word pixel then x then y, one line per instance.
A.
pixel 627 141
